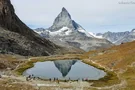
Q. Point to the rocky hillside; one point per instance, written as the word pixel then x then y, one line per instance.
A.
pixel 70 33
pixel 16 37
pixel 119 59
pixel 116 57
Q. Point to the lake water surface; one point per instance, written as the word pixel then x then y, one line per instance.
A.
pixel 65 69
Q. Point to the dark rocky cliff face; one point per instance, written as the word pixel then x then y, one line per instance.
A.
pixel 16 37
pixel 9 20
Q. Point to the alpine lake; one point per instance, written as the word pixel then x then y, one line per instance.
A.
pixel 64 70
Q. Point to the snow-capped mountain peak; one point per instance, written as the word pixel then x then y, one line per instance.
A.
pixel 63 25
pixel 67 31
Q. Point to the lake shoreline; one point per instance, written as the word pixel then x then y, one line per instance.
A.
pixel 30 63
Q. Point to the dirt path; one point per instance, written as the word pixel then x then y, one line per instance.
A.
pixel 47 84
pixel 113 87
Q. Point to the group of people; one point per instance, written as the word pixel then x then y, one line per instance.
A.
pixel 55 80
pixel 32 77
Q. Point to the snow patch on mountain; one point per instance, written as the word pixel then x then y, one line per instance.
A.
pixel 94 35
pixel 85 32
pixel 62 32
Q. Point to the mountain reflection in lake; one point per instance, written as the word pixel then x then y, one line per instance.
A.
pixel 64 66
pixel 65 69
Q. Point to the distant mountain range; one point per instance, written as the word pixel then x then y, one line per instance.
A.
pixel 66 32
pixel 118 37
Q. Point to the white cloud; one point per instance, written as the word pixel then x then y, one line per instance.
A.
pixel 91 14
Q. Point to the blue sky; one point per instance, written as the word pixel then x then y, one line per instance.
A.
pixel 93 15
